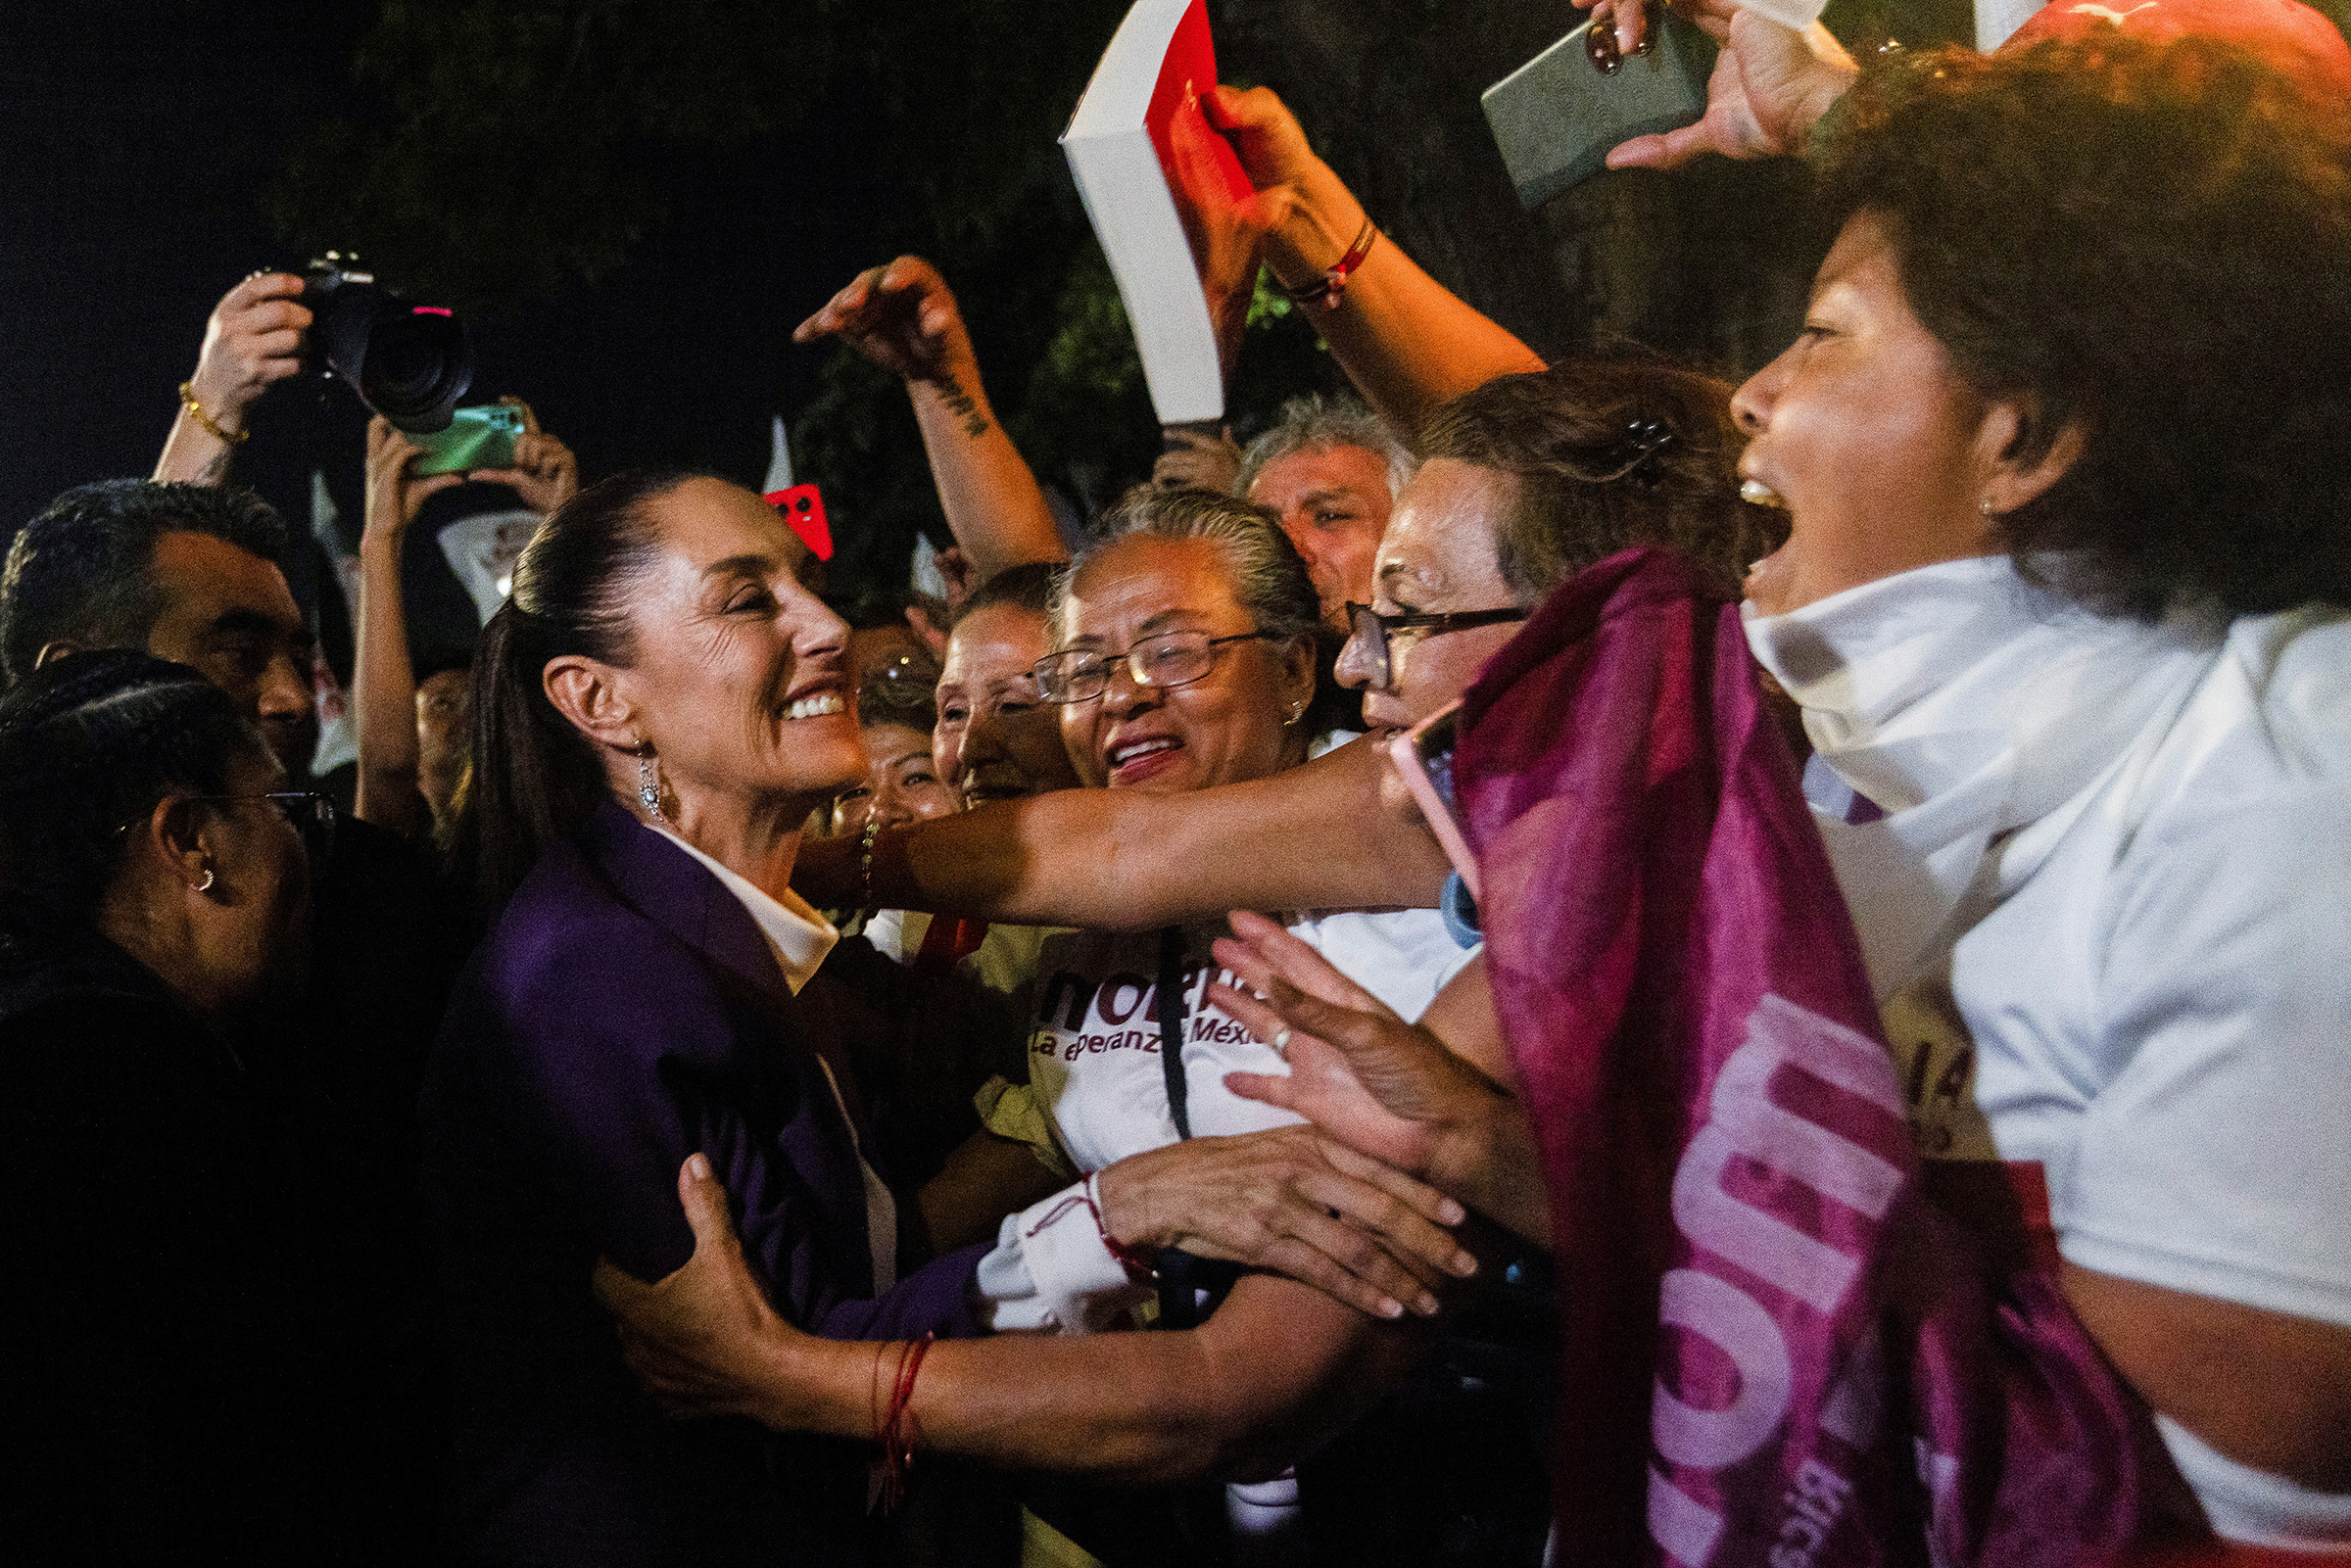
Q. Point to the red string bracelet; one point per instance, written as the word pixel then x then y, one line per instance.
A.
pixel 899 1430
pixel 1325 292
pixel 1138 1268
pixel 1138 1265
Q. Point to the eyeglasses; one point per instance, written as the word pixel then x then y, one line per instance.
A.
pixel 307 812
pixel 1373 630
pixel 1170 659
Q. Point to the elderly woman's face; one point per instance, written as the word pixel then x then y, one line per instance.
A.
pixel 736 672
pixel 1234 722
pixel 1437 557
pixel 996 739
pixel 1867 432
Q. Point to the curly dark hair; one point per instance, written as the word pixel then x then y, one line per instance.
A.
pixel 1565 437
pixel 83 570
pixel 2151 241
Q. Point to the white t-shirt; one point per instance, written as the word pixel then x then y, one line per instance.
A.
pixel 1094 1064
pixel 2107 907
pixel 1094 1041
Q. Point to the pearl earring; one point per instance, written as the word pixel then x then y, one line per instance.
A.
pixel 649 783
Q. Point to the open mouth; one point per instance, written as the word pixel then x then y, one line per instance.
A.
pixel 1132 761
pixel 815 705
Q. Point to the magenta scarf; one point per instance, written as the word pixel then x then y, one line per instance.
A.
pixel 1775 1352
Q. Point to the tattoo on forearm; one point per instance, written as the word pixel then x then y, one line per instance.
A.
pixel 216 467
pixel 962 406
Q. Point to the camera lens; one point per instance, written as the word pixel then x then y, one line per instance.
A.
pixel 417 366
pixel 409 363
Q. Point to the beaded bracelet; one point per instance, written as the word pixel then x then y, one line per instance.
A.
pixel 1325 292
pixel 187 399
pixel 865 861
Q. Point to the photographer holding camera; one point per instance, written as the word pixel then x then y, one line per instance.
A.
pixel 254 338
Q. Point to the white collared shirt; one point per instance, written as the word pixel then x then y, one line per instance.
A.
pixel 800 937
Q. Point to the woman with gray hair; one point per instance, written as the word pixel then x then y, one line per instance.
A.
pixel 1330 469
pixel 1185 634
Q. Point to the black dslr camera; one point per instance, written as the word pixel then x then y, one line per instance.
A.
pixel 409 363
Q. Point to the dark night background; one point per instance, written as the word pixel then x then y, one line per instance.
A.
pixel 633 203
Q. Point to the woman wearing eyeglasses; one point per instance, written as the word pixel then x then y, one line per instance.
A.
pixel 175 1332
pixel 1179 692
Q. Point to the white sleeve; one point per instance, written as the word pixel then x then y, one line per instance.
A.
pixel 1051 1272
pixel 2213 1158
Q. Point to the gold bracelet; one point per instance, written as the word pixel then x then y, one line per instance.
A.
pixel 187 399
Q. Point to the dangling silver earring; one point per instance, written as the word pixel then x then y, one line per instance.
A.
pixel 205 886
pixel 648 782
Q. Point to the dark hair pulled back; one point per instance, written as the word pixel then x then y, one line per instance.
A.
pixel 88 745
pixel 1584 489
pixel 536 777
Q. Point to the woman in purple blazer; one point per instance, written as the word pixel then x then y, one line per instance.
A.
pixel 659 706
pixel 656 711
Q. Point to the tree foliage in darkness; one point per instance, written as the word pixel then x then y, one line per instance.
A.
pixel 497 151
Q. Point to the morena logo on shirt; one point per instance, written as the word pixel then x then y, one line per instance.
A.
pixel 1077 1016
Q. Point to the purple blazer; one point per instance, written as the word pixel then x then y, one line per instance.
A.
pixel 623 1012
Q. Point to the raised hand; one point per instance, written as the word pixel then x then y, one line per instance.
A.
pixel 253 338
pixel 395 494
pixel 903 317
pixel 1770 85
pixel 545 474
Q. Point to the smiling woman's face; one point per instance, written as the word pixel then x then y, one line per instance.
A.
pixel 735 671
pixel 1869 435
pixel 1234 722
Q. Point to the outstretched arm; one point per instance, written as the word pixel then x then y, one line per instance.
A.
pixel 904 318
pixel 1310 838
pixel 252 339
pixel 1407 341
pixel 1278 1365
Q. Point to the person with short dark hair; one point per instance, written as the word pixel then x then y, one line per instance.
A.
pixel 189 573
pixel 188 1324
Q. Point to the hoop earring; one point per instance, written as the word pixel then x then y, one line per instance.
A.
pixel 649 783
pixel 205 886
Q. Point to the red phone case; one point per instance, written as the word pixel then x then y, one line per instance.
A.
pixel 804 510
